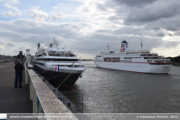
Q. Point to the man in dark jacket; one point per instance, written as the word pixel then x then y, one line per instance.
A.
pixel 19 69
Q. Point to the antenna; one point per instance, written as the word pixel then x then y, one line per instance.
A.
pixel 141 44
pixel 108 47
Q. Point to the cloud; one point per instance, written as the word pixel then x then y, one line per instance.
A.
pixel 10 1
pixel 170 34
pixel 160 34
pixel 28 33
pixel 16 12
pixel 57 16
pixel 134 3
pixel 9 45
pixel 157 10
pixel 38 14
pixel 150 14
pixel 169 24
pixel 177 33
pixel 10 14
pixel 54 7
pixel 12 7
pixel 95 24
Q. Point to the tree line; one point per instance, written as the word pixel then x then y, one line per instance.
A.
pixel 175 59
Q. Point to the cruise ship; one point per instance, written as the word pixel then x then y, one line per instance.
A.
pixel 141 61
pixel 59 66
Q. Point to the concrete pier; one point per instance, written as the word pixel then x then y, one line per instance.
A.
pixel 12 100
pixel 34 97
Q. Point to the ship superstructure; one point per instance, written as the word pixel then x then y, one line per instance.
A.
pixel 135 61
pixel 58 65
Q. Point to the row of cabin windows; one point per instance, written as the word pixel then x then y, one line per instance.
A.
pixel 40 63
pixel 49 59
pixel 159 63
pixel 116 60
pixel 131 57
pixel 126 57
pixel 149 55
pixel 44 54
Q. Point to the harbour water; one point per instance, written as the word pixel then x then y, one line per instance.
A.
pixel 112 91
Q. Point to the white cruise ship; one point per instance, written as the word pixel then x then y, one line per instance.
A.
pixel 141 61
pixel 58 65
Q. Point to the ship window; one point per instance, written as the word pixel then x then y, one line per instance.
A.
pixel 50 59
pixel 40 63
pixel 38 55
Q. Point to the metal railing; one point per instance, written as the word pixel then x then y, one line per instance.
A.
pixel 6 59
pixel 59 61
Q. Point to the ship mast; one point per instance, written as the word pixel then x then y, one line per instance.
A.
pixel 108 47
pixel 141 45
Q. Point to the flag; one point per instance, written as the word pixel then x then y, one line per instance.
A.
pixel 57 69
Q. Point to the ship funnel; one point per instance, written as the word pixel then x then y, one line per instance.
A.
pixel 50 45
pixel 38 45
pixel 124 46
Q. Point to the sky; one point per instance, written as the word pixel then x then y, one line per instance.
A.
pixel 87 26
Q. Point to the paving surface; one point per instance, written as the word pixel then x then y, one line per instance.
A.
pixel 12 100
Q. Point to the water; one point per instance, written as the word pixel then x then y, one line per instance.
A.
pixel 112 91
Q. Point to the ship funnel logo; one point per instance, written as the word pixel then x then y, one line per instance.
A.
pixel 124 46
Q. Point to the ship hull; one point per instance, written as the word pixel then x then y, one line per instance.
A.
pixel 58 79
pixel 135 67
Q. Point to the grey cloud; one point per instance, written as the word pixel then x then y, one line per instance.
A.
pixel 112 18
pixel 170 34
pixel 32 32
pixel 138 3
pixel 153 12
pixel 177 33
pixel 152 15
pixel 160 34
pixel 102 7
pixel 134 31
pixel 56 17
pixel 149 43
pixel 9 45
pixel 170 24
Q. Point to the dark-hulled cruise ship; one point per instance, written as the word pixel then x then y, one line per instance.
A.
pixel 59 66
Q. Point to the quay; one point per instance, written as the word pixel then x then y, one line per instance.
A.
pixel 34 96
pixel 12 100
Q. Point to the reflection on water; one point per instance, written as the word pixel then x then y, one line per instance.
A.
pixel 112 91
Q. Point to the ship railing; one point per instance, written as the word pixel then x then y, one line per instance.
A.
pixel 63 61
pixel 61 54
pixel 3 59
pixel 63 67
pixel 145 54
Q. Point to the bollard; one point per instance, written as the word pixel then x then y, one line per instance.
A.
pixel 44 78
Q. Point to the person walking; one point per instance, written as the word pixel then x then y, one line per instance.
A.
pixel 19 68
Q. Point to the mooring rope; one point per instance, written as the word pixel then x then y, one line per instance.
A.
pixel 64 80
pixel 49 75
pixel 57 76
